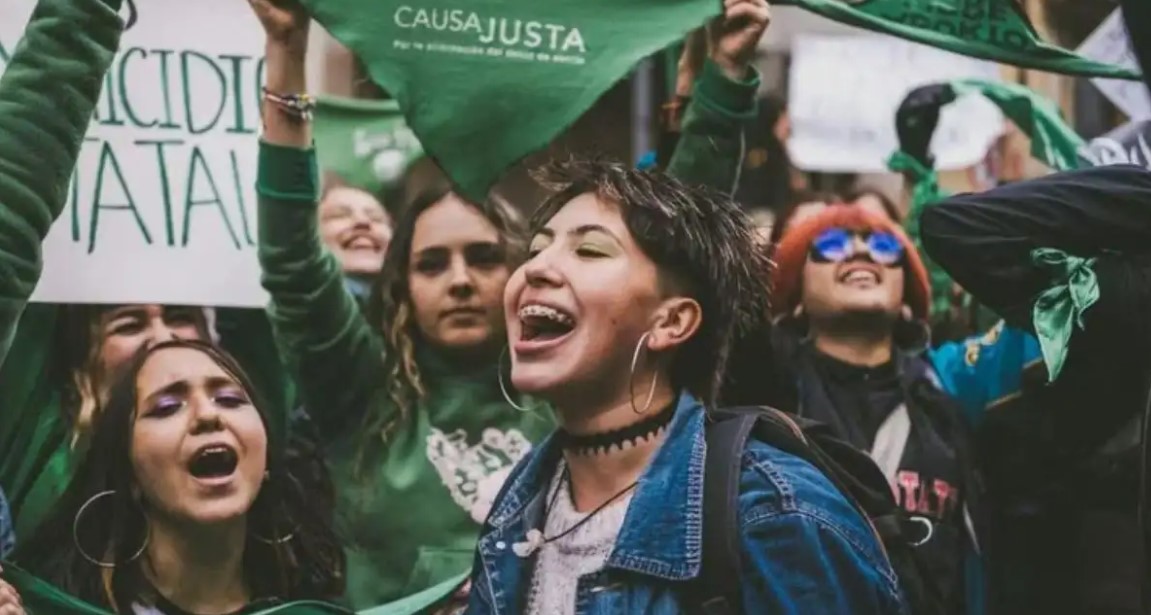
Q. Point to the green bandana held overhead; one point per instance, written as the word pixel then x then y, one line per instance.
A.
pixel 989 29
pixel 483 83
pixel 1053 143
pixel 366 142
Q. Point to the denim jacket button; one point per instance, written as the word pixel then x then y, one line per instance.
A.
pixel 501 545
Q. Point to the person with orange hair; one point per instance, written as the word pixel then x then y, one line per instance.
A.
pixel 852 296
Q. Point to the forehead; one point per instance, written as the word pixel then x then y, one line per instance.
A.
pixel 452 222
pixel 588 209
pixel 171 365
pixel 344 196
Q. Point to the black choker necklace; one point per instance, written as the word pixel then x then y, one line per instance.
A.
pixel 591 444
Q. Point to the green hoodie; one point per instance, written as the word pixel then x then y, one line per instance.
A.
pixel 47 97
pixel 410 515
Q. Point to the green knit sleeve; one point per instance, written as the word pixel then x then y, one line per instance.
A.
pixel 329 346
pixel 711 143
pixel 47 96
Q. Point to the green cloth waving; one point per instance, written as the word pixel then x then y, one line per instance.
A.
pixel 989 29
pixel 483 83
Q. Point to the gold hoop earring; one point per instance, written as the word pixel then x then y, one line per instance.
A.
pixel 503 387
pixel 80 548
pixel 631 378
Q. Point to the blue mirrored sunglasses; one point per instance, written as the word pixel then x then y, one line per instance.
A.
pixel 836 245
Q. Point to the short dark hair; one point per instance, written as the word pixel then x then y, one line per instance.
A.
pixel 308 566
pixel 699 239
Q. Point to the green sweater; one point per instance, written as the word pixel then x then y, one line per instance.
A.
pixel 47 96
pixel 410 516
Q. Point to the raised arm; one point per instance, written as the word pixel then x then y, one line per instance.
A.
pixel 47 96
pixel 986 241
pixel 710 148
pixel 317 324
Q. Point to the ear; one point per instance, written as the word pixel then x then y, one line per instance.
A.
pixel 676 320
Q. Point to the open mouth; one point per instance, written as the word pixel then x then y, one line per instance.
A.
pixel 542 323
pixel 214 461
pixel 362 242
pixel 860 276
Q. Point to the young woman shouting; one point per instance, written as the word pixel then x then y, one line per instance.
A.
pixel 622 319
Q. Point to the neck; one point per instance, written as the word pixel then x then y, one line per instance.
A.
pixel 597 477
pixel 865 349
pixel 199 570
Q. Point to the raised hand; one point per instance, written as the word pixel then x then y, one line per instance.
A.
pixel 285 21
pixel 736 35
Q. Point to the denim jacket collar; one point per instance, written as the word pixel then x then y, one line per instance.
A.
pixel 662 534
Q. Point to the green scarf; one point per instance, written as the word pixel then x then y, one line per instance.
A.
pixel 1053 143
pixel 1059 309
pixel 989 29
pixel 365 142
pixel 484 83
pixel 40 597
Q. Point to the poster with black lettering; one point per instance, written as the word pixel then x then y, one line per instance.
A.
pixel 485 82
pixel 994 30
pixel 162 203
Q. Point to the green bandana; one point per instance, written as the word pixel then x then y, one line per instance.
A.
pixel 40 597
pixel 1060 308
pixel 365 142
pixel 1053 142
pixel 924 191
pixel 989 29
pixel 485 82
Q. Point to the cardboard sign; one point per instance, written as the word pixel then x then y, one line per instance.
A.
pixel 162 206
pixel 845 91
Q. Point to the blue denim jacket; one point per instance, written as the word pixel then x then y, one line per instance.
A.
pixel 7 534
pixel 806 550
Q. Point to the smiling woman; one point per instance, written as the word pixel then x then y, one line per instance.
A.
pixel 635 289
pixel 181 506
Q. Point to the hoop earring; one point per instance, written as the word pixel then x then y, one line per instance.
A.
pixel 631 378
pixel 80 548
pixel 503 387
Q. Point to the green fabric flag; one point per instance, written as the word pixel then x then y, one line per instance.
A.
pixel 1059 309
pixel 483 83
pixel 366 142
pixel 40 598
pixel 989 29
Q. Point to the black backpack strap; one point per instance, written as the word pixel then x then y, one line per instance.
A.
pixel 718 587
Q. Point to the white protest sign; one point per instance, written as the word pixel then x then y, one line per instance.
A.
pixel 845 90
pixel 162 206
pixel 1109 43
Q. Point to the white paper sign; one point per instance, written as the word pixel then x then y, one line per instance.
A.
pixel 1109 43
pixel 845 91
pixel 162 208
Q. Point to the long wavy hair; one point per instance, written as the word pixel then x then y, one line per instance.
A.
pixel 391 306
pixel 309 565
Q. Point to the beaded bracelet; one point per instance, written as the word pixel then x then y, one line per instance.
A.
pixel 298 106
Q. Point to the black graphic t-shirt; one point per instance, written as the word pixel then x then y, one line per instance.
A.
pixel 855 401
